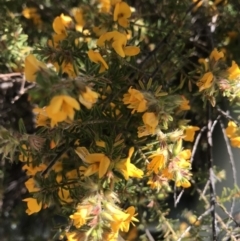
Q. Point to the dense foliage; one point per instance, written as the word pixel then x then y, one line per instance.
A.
pixel 123 98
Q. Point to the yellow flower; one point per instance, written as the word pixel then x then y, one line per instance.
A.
pixel 98 163
pixel 78 16
pixel 60 108
pixel 99 30
pixel 67 68
pixel 121 14
pixel 128 169
pixel 100 144
pixel 150 120
pixel 183 158
pixel 118 42
pixel 118 39
pixel 135 100
pixel 167 173
pixel 183 182
pixel 233 71
pixel 157 163
pixel 29 12
pixel 231 129
pixel 98 59
pixel 131 218
pixel 56 39
pixel 32 170
pixel 80 217
pixel 157 182
pixel 33 205
pixel 57 167
pixel 88 98
pixel 131 50
pixel 235 141
pixel 32 66
pixel 206 81
pixel 76 236
pixel 60 24
pixel 204 63
pixel 82 152
pixel 52 144
pixel 216 55
pixel 122 220
pixel 25 156
pixel 117 218
pixel 64 195
pixel 105 6
pixel 110 236
pixel 180 167
pixel 184 104
pixel 32 13
pixel 41 116
pixel 190 132
pixel 154 184
pixel 31 185
pixel 72 236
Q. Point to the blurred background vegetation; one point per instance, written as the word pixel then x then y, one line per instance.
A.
pixel 177 34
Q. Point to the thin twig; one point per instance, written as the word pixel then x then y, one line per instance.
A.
pixel 195 146
pixel 228 214
pixel 149 235
pixel 211 173
pixel 227 116
pixel 232 163
pixel 206 187
pixel 215 123
pixel 177 199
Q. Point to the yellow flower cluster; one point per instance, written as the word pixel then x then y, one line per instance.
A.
pixel 233 133
pixel 60 26
pixel 114 218
pixel 207 80
pixel 100 163
pixel 31 185
pixel 115 40
pixel 136 101
pixel 90 172
pixel 215 76
pixel 233 71
pixel 61 107
pixel 164 167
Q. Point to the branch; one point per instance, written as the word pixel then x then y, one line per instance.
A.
pixel 149 235
pixel 194 149
pixel 227 116
pixel 211 173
